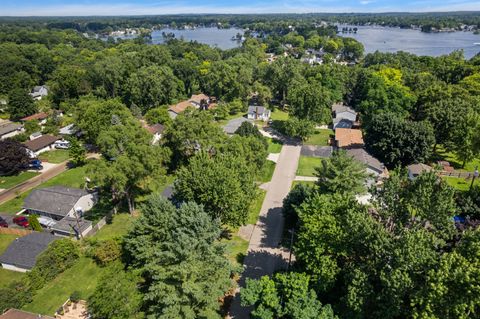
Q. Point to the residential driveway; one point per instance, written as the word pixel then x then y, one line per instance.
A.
pixel 265 256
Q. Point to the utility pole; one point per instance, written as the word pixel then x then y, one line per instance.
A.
pixel 475 175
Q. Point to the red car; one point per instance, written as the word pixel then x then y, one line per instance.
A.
pixel 21 221
pixel 3 222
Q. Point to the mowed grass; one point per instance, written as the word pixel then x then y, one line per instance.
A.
pixel 320 137
pixel 119 227
pixel 265 175
pixel 7 182
pixel 8 276
pixel 54 156
pixel 443 154
pixel 307 164
pixel 461 184
pixel 274 145
pixel 278 115
pixel 82 277
pixel 74 177
pixel 308 183
pixel 256 206
pixel 235 249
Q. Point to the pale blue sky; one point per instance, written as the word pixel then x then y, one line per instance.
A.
pixel 149 7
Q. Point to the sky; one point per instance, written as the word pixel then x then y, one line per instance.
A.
pixel 154 7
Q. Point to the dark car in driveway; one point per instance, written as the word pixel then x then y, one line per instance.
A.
pixel 3 222
pixel 21 221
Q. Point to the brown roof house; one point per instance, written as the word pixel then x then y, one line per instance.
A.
pixel 41 144
pixel 40 117
pixel 348 138
pixel 156 130
pixel 196 101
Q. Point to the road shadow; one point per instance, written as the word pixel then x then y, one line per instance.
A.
pixel 272 224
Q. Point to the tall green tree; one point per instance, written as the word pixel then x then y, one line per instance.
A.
pixel 184 267
pixel 20 104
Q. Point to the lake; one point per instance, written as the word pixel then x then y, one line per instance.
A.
pixel 221 38
pixel 386 39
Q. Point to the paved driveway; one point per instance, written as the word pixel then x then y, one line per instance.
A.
pixel 265 256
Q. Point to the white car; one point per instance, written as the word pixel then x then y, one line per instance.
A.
pixel 46 222
pixel 62 144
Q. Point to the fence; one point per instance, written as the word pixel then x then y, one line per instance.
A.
pixel 102 222
pixel 457 174
pixel 15 231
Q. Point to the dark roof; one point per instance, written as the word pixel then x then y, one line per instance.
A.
pixel 23 251
pixel 232 125
pixel 257 109
pixel 362 156
pixel 317 151
pixel 57 200
pixel 66 223
pixel 20 314
pixel 9 127
pixel 41 142
pixel 156 128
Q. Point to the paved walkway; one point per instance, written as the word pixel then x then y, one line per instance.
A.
pixel 264 255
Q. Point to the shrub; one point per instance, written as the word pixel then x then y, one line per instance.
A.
pixel 107 251
pixel 75 296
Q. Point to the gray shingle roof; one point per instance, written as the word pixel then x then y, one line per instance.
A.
pixel 234 124
pixel 362 155
pixel 57 200
pixel 65 225
pixel 23 251
pixel 9 127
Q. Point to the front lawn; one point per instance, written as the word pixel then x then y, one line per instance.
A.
pixel 320 137
pixel 236 249
pixel 74 177
pixel 119 227
pixel 307 164
pixel 54 156
pixel 7 182
pixel 8 276
pixel 265 175
pixel 82 277
pixel 274 145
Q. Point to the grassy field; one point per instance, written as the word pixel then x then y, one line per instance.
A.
pixel 82 277
pixel 267 172
pixel 7 276
pixel 442 154
pixel 278 115
pixel 460 183
pixel 320 137
pixel 236 249
pixel 306 165
pixel 54 156
pixel 73 177
pixel 274 145
pixel 255 207
pixel 120 225
pixel 10 181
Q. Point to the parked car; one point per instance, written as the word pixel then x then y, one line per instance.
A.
pixel 21 221
pixel 46 221
pixel 64 145
pixel 3 223
pixel 34 164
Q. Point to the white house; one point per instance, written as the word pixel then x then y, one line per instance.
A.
pixel 39 92
pixel 41 144
pixel 10 129
pixel 258 113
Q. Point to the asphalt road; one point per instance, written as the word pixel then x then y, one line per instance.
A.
pixel 265 256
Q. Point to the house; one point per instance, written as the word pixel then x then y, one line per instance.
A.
pixel 232 126
pixel 40 117
pixel 374 166
pixel 9 129
pixel 39 92
pixel 57 202
pixel 22 253
pixel 156 130
pixel 348 138
pixel 198 101
pixel 258 113
pixel 41 144
pixel 20 314
pixel 416 169
pixel 69 130
pixel 343 116
pixel 72 227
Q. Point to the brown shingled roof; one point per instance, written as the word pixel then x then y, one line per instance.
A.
pixel 199 97
pixel 41 142
pixel 346 137
pixel 156 128
pixel 37 116
pixel 180 107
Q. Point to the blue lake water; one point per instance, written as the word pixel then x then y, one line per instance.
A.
pixel 414 41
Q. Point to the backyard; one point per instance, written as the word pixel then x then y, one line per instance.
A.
pixel 54 156
pixel 7 182
pixel 307 164
pixel 321 137
pixel 442 154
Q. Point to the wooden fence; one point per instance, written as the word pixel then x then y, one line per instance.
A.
pixel 102 222
pixel 457 174
pixel 15 231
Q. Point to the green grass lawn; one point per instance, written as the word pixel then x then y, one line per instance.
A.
pixel 320 137
pixel 120 225
pixel 8 276
pixel 279 115
pixel 442 154
pixel 274 145
pixel 267 172
pixel 54 156
pixel 307 164
pixel 236 249
pixel 74 177
pixel 10 181
pixel 82 277
pixel 309 183
pixel 255 207
pixel 460 183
